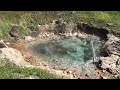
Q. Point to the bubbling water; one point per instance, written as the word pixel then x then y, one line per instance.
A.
pixel 71 51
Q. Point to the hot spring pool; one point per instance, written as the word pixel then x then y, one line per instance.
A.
pixel 71 51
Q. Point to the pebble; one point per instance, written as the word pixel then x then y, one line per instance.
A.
pixel 103 77
pixel 28 38
pixel 118 61
pixel 69 72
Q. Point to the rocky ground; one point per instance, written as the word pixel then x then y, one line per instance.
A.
pixel 107 66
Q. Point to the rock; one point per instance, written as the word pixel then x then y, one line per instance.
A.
pixel 28 38
pixel 109 24
pixel 87 75
pixel 104 66
pixel 77 74
pixel 69 72
pixel 89 67
pixel 112 45
pixel 75 34
pixel 15 31
pixel 2 44
pixel 42 28
pixel 59 72
pixel 56 67
pixel 103 71
pixel 111 38
pixel 116 76
pixel 7 43
pixel 59 26
pixel 12 56
pixel 70 27
pixel 112 71
pixel 118 61
pixel 33 77
pixel 71 76
pixel 109 64
pixel 73 12
pixel 103 77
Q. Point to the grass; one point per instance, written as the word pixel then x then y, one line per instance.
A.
pixel 15 72
pixel 26 19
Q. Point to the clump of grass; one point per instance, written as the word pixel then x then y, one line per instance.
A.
pixel 15 72
pixel 24 31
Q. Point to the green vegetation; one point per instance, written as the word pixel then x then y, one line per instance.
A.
pixel 14 72
pixel 28 19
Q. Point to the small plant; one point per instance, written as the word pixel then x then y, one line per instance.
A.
pixel 24 31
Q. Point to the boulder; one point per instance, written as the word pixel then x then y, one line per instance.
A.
pixel 109 63
pixel 112 45
pixel 10 56
pixel 15 31
pixel 70 27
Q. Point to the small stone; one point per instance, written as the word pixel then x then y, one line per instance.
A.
pixel 47 35
pixel 0 51
pixel 116 76
pixel 7 43
pixel 103 71
pixel 2 44
pixel 33 77
pixel 64 72
pixel 103 77
pixel 112 71
pixel 71 76
pixel 44 64
pixel 75 34
pixel 109 24
pixel 113 65
pixel 28 38
pixel 69 72
pixel 118 61
pixel 59 72
pixel 105 65
pixel 87 75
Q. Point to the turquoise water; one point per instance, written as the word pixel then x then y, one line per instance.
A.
pixel 66 52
